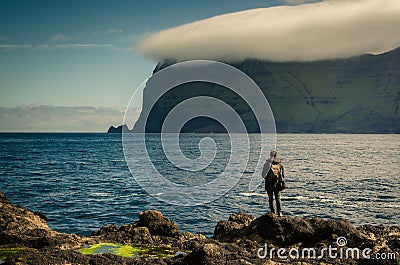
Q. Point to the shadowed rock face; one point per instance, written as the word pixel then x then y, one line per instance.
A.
pixel 22 227
pixel 158 224
pixel 119 129
pixel 3 198
pixel 49 256
pixel 235 240
pixel 288 231
pixel 355 95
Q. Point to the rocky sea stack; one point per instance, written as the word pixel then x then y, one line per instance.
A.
pixel 119 129
pixel 25 238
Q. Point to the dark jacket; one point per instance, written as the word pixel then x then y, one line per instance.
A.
pixel 266 173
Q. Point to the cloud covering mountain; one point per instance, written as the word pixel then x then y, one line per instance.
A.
pixel 326 30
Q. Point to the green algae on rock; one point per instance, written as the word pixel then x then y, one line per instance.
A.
pixel 5 252
pixel 129 250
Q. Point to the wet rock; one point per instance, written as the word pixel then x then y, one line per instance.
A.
pixel 158 224
pixel 49 256
pixel 295 230
pixel 41 215
pixel 376 231
pixel 141 235
pixel 107 229
pixel 267 228
pixel 222 253
pixel 189 241
pixel 21 227
pixel 152 228
pixel 209 253
pixel 287 231
pixel 281 231
pixel 3 198
pixel 124 234
pixel 242 218
pixel 329 230
pixel 229 231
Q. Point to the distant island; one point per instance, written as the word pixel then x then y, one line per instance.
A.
pixel 354 95
pixel 118 129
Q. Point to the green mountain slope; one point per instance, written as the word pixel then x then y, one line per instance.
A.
pixel 355 95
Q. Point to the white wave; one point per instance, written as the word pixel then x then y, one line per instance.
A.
pixel 251 194
pixel 295 198
pixel 157 194
pixel 57 194
pixel 101 194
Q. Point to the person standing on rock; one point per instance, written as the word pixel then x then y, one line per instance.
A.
pixel 273 173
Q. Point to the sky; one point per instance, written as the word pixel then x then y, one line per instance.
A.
pixel 68 55
pixel 73 65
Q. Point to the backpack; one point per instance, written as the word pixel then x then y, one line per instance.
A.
pixel 274 173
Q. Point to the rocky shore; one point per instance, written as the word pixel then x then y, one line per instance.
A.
pixel 25 238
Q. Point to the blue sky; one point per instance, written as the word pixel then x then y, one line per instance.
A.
pixel 79 53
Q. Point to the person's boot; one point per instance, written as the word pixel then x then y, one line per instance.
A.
pixel 280 214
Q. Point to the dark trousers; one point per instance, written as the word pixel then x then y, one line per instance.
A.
pixel 271 193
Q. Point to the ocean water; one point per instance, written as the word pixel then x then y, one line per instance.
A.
pixel 82 182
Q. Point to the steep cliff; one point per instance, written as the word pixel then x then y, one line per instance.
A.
pixel 355 95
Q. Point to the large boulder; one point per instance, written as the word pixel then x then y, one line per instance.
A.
pixel 124 234
pixel 214 252
pixel 281 231
pixel 330 230
pixel 22 227
pixel 151 226
pixel 158 224
pixel 287 231
pixel 227 231
pixel 231 230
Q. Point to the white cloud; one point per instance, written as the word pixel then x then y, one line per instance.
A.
pixel 45 118
pixel 326 30
pixel 12 46
pixel 80 45
pixel 114 30
pixel 56 46
pixel 73 45
pixel 7 46
pixel 59 37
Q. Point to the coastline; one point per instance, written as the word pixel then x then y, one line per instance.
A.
pixel 157 240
